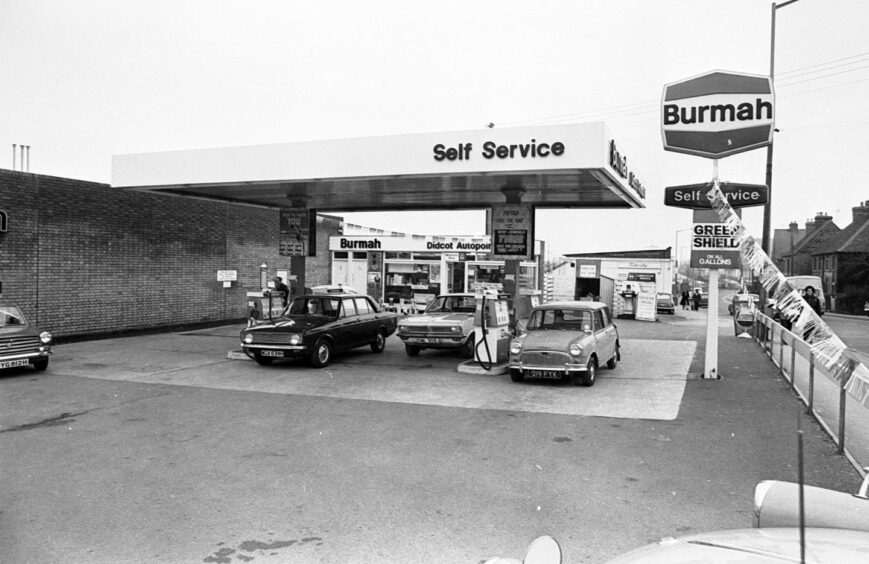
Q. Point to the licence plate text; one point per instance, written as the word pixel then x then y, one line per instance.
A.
pixel 13 363
pixel 272 353
pixel 552 374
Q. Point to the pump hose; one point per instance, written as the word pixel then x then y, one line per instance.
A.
pixel 484 365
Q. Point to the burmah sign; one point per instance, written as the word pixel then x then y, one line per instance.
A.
pixel 718 114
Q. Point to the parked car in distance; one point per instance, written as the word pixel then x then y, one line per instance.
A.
pixel 447 323
pixel 737 299
pixel 22 343
pixel 664 303
pixel 315 326
pixel 565 341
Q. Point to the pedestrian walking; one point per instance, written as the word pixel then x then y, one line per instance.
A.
pixel 695 300
pixel 684 301
pixel 812 299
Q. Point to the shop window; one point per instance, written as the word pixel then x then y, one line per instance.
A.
pixel 339 255
pixel 360 256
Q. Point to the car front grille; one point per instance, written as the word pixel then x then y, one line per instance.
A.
pixel 545 358
pixel 19 345
pixel 271 338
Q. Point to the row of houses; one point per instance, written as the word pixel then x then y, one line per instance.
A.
pixel 839 256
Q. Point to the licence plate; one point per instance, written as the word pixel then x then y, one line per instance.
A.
pixel 425 340
pixel 552 374
pixel 13 363
pixel 272 353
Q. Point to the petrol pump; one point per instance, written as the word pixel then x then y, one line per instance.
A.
pixel 491 328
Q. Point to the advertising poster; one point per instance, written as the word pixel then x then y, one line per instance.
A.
pixel 646 307
pixel 512 232
pixel 293 232
pixel 712 243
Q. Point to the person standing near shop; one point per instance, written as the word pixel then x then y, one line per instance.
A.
pixel 695 300
pixel 684 301
pixel 283 289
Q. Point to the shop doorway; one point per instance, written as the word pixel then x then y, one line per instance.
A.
pixel 350 269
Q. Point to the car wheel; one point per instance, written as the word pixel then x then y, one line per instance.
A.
pixel 590 374
pixel 516 375
pixel 468 347
pixel 379 342
pixel 322 353
pixel 262 360
pixel 412 350
pixel 613 362
pixel 40 364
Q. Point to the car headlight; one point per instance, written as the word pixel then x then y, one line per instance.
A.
pixel 45 337
pixel 247 339
pixel 515 347
pixel 456 328
pixel 402 327
pixel 575 349
pixel 296 339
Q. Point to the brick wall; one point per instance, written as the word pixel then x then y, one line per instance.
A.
pixel 82 258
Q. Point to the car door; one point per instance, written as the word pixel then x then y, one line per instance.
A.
pixel 606 344
pixel 366 322
pixel 347 325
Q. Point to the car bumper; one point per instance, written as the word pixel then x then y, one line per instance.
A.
pixel 431 341
pixel 276 351
pixel 23 359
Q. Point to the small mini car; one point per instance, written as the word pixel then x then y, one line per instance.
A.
pixel 447 323
pixel 315 326
pixel 22 343
pixel 565 341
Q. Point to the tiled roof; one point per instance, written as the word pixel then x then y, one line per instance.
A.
pixel 781 241
pixel 852 239
pixel 807 240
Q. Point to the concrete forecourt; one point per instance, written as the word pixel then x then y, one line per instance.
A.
pixel 162 448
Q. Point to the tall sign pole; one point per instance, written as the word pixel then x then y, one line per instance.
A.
pixel 716 115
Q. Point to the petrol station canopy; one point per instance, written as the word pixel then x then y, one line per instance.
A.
pixel 562 166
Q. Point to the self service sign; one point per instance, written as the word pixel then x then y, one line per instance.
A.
pixel 718 114
pixel 712 243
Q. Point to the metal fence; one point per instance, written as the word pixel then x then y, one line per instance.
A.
pixel 845 419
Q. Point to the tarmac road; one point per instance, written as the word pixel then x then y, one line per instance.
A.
pixel 161 449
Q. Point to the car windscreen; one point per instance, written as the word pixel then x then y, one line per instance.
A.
pixel 11 315
pixel 325 306
pixel 446 304
pixel 571 319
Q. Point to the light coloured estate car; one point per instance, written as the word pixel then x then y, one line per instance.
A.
pixel 565 341
pixel 447 323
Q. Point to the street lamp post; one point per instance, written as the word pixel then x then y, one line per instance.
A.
pixel 765 243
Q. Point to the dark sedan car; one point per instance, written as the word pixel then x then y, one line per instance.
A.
pixel 22 343
pixel 664 303
pixel 316 326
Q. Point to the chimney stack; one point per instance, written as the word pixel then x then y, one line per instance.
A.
pixel 793 227
pixel 861 212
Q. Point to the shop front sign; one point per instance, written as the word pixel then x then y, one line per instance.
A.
pixel 512 232
pixel 429 244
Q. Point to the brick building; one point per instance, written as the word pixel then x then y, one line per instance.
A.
pixel 798 259
pixel 86 259
pixel 842 262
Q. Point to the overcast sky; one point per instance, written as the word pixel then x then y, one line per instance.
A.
pixel 83 80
